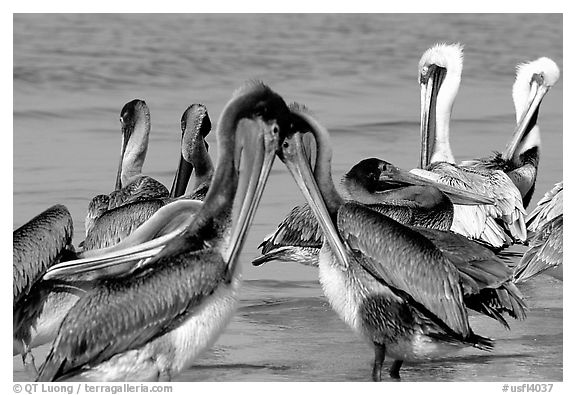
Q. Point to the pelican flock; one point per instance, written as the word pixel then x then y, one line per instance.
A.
pixel 403 257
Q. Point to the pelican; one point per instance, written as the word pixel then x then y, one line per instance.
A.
pixel 110 226
pixel 408 199
pixel 387 282
pixel 195 126
pixel 38 306
pixel 522 155
pixel 131 184
pixel 440 70
pixel 545 225
pixel 154 323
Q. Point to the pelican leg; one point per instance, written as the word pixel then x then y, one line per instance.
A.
pixel 395 369
pixel 379 354
pixel 164 376
pixel 28 362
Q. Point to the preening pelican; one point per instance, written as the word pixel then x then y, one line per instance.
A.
pixel 439 75
pixel 545 225
pixel 408 199
pixel 111 226
pixel 155 322
pixel 195 158
pixel 38 307
pixel 386 281
pixel 522 155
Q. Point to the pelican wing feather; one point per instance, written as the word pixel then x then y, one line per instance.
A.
pixel 124 315
pixel 116 224
pixel 546 251
pixel 300 228
pixel 548 208
pixel 37 245
pixel 142 188
pixel 497 224
pixel 492 292
pixel 405 260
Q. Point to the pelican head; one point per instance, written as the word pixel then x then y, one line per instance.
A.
pixel 318 188
pixel 533 80
pixel 377 175
pixel 439 73
pixel 261 118
pixel 195 125
pixel 135 127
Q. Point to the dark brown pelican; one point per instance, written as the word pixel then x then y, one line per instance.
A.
pixel 38 307
pixel 545 225
pixel 155 322
pixel 521 158
pixel 131 185
pixel 388 282
pixel 439 74
pixel 408 199
pixel 113 225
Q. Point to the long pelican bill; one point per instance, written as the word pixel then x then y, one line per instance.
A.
pixel 537 93
pixel 258 149
pixel 125 138
pixel 425 143
pixel 181 178
pixel 132 252
pixel 456 195
pixel 294 157
pixel 430 83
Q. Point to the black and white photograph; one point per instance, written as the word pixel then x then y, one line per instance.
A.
pixel 288 197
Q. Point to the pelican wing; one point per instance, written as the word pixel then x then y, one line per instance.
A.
pixel 300 228
pixel 403 214
pixel 548 208
pixel 98 206
pixel 546 251
pixel 406 261
pixel 509 206
pixel 493 162
pixel 125 315
pixel 492 224
pixel 469 257
pixel 116 224
pixel 486 279
pixel 37 245
pixel 142 188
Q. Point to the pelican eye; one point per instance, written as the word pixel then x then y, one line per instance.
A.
pixel 261 109
pixel 425 74
pixel 538 78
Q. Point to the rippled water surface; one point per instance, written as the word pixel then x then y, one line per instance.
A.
pixel 358 73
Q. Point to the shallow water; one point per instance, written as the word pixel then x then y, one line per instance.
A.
pixel 73 73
